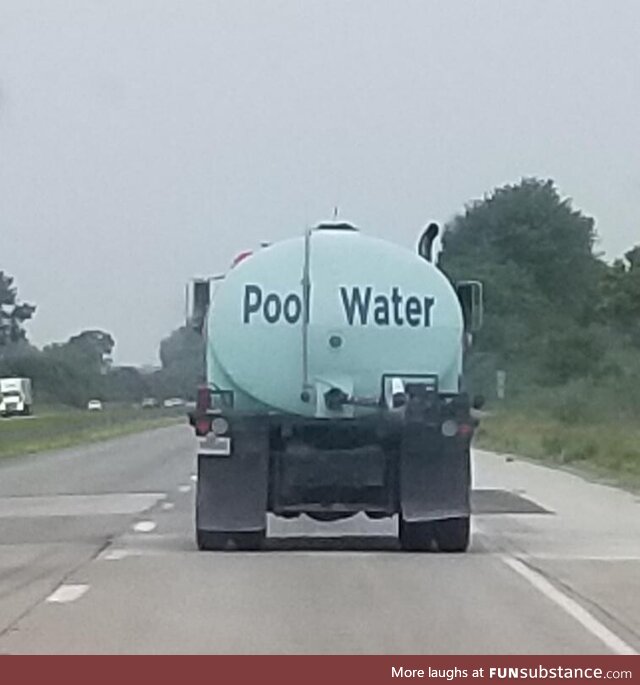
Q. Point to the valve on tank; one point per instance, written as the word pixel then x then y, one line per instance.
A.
pixel 335 399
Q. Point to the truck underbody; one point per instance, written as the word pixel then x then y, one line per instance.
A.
pixel 412 462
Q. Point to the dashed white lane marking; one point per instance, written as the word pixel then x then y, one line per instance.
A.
pixel 184 488
pixel 114 554
pixel 167 506
pixel 578 612
pixel 194 478
pixel 78 505
pixel 67 593
pixel 144 526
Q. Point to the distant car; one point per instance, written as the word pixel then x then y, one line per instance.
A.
pixel 94 405
pixel 171 402
pixel 149 403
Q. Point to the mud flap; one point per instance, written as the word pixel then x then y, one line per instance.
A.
pixel 232 490
pixel 435 474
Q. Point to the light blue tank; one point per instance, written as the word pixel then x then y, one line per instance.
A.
pixel 374 309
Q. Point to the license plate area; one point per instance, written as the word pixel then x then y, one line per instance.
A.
pixel 215 446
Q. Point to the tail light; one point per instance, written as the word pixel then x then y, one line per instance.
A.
pixel 449 428
pixel 203 399
pixel 465 429
pixel 219 425
pixel 203 426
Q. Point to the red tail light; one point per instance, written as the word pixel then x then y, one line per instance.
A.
pixel 203 399
pixel 465 429
pixel 203 426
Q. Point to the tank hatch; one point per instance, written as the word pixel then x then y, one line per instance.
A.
pixel 335 226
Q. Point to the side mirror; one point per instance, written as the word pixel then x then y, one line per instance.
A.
pixel 199 304
pixel 471 301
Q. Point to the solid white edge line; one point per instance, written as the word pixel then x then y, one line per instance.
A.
pixel 571 607
pixel 67 593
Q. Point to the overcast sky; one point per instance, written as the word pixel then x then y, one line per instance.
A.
pixel 143 142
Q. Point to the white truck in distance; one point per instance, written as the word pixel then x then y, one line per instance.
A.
pixel 15 396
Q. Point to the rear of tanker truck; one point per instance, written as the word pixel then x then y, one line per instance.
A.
pixel 335 386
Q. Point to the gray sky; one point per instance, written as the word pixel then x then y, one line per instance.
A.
pixel 144 141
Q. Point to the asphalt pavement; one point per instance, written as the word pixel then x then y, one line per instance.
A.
pixel 97 555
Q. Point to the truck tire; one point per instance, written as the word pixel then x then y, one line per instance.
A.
pixel 416 536
pixel 452 535
pixel 218 541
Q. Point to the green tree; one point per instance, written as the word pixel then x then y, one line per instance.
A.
pixel 89 350
pixel 125 383
pixel 534 253
pixel 620 295
pixel 13 314
pixel 78 367
pixel 54 380
pixel 183 366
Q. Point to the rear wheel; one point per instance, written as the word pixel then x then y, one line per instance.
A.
pixel 452 535
pixel 212 541
pixel 416 536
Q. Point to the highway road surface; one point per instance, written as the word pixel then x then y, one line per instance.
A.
pixel 97 556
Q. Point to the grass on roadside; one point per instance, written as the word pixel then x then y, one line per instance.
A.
pixel 607 449
pixel 57 428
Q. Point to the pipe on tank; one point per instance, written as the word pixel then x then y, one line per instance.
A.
pixel 306 297
pixel 425 244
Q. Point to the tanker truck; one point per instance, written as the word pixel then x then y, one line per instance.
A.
pixel 335 386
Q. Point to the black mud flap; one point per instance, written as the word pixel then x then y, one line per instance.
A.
pixel 232 490
pixel 435 474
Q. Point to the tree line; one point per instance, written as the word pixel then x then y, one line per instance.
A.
pixel 81 368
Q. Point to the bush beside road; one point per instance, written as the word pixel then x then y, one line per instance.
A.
pixel 60 427
pixel 606 449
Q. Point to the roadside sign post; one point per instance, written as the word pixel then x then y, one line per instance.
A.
pixel 501 384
